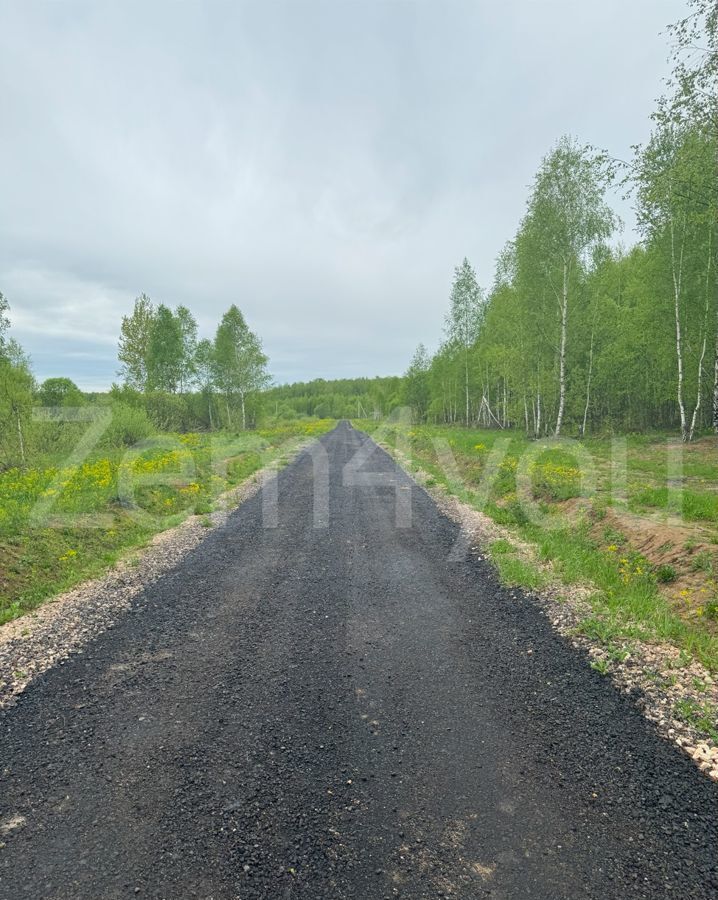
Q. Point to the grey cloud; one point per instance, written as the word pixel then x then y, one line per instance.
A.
pixel 322 164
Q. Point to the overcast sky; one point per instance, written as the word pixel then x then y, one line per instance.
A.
pixel 324 165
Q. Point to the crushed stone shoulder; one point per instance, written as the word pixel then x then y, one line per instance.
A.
pixel 64 624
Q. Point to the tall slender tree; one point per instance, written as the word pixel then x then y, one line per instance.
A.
pixel 416 382
pixel 188 330
pixel 204 367
pixel 4 319
pixel 17 386
pixel 240 363
pixel 567 216
pixel 134 343
pixel 463 321
pixel 165 351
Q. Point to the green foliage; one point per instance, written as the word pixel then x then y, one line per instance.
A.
pixel 178 378
pixel 711 610
pixel 134 343
pixel 463 325
pixel 60 392
pixel 416 383
pixel 665 574
pixel 702 716
pixel 129 426
pixel 17 386
pixel 512 569
pixel 165 351
pixel 580 335
pixel 240 365
pixel 343 398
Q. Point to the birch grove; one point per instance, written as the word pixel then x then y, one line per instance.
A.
pixel 577 333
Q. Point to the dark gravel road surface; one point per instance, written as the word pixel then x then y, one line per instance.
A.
pixel 341 712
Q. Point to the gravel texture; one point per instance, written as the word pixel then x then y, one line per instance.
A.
pixel 341 712
pixel 63 625
pixel 654 673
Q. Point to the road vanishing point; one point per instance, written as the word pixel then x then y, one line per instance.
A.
pixel 343 708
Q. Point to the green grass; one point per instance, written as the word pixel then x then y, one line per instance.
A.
pixel 694 506
pixel 492 467
pixel 702 716
pixel 512 569
pixel 602 666
pixel 62 524
pixel 665 574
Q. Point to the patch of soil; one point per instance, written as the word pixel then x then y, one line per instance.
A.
pixel 669 543
pixel 10 556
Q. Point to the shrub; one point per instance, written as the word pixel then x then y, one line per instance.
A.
pixel 129 425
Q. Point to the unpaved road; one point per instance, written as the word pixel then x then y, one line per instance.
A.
pixel 341 712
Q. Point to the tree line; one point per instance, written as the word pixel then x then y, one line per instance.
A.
pixel 160 353
pixel 577 332
pixel 171 381
pixel 342 398
pixel 16 391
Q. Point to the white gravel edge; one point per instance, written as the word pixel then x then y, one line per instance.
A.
pixel 643 673
pixel 64 624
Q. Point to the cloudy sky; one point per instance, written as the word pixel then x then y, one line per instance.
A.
pixel 324 165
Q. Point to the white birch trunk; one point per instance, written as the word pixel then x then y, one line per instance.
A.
pixel 526 415
pixel 466 384
pixel 677 273
pixel 588 386
pixel 562 353
pixel 538 414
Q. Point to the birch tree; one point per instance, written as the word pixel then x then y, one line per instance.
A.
pixel 676 213
pixel 463 322
pixel 204 368
pixel 165 352
pixel 4 320
pixel 134 343
pixel 692 100
pixel 567 217
pixel 16 394
pixel 416 381
pixel 188 331
pixel 240 363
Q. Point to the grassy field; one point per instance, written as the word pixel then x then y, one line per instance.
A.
pixel 634 517
pixel 61 523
